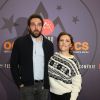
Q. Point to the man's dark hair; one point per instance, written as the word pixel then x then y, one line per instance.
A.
pixel 35 16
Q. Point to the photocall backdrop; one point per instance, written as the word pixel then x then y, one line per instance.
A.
pixel 72 16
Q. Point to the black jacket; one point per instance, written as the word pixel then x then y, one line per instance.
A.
pixel 21 60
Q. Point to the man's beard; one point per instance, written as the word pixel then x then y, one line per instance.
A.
pixel 35 33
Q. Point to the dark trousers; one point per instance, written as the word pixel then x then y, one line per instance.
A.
pixel 65 96
pixel 35 92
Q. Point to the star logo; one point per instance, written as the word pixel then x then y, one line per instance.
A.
pixel 59 7
pixel 75 19
pixel 8 24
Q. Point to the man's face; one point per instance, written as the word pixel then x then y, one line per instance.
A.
pixel 35 27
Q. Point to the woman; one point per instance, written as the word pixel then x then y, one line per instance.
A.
pixel 65 79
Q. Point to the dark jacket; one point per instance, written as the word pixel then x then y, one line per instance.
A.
pixel 21 61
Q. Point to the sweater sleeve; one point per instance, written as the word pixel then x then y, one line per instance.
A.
pixel 76 87
pixel 76 82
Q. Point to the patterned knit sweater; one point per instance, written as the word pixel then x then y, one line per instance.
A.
pixel 64 75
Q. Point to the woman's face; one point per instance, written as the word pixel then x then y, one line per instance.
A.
pixel 64 43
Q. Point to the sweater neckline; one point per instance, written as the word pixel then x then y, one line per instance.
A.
pixel 65 56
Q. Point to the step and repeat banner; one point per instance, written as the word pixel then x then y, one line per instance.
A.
pixel 72 16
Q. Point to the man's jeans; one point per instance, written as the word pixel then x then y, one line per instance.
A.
pixel 36 92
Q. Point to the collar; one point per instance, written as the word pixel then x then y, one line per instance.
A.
pixel 39 39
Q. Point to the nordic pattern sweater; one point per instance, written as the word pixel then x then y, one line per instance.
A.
pixel 64 75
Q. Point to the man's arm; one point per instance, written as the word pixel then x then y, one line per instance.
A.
pixel 14 64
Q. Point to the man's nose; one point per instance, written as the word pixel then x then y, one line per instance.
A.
pixel 36 26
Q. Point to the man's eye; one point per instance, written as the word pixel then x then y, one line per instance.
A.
pixel 40 24
pixel 32 24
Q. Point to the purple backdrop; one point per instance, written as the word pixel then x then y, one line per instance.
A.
pixel 78 17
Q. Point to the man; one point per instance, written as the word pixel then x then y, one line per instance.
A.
pixel 29 61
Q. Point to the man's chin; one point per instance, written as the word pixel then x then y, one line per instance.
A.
pixel 35 35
